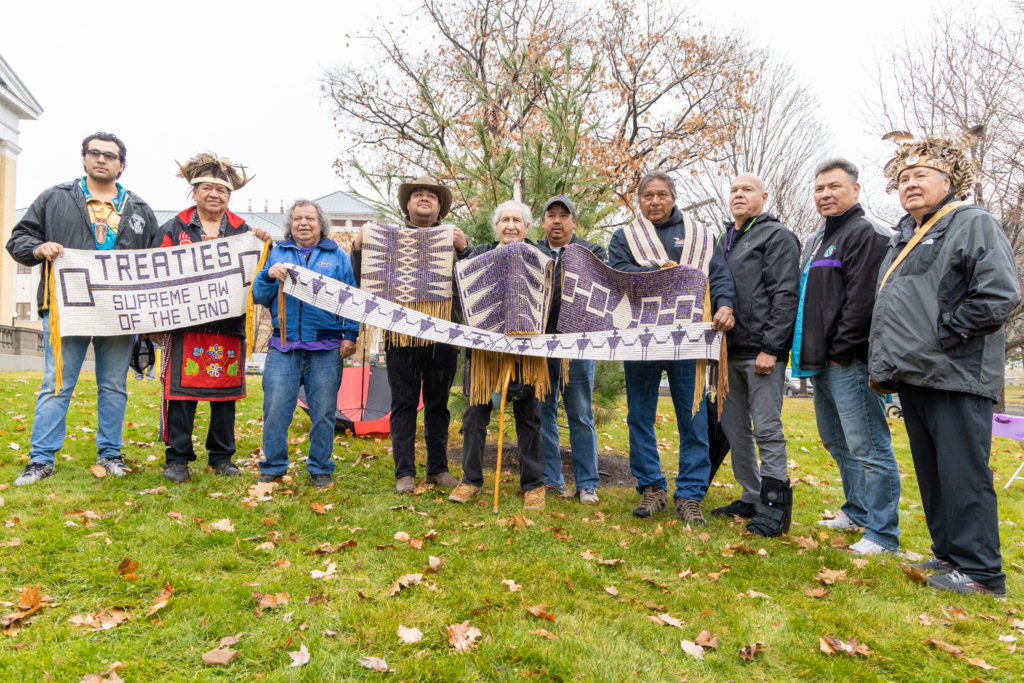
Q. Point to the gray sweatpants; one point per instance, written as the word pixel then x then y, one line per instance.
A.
pixel 755 399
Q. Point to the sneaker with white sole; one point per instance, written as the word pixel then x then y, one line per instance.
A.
pixel 962 584
pixel 840 522
pixel 588 497
pixel 34 472
pixel 114 466
pixel 866 546
pixel 935 566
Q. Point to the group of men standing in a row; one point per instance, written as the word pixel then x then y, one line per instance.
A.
pixel 931 297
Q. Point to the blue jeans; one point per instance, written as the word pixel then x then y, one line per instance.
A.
pixel 577 394
pixel 319 372
pixel 642 380
pixel 852 426
pixel 112 356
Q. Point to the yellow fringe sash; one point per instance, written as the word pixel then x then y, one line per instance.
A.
pixel 488 369
pixel 50 296
pixel 250 306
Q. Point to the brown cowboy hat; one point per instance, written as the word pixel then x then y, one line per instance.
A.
pixel 425 182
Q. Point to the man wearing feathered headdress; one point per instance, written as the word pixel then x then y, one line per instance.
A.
pixel 945 288
pixel 205 362
pixel 91 212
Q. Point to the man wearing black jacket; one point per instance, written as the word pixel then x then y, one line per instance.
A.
pixel 764 257
pixel 830 343
pixel 91 212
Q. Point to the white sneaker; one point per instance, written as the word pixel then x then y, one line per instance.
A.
pixel 588 497
pixel 839 522
pixel 114 465
pixel 866 546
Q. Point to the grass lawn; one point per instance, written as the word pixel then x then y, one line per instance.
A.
pixel 601 574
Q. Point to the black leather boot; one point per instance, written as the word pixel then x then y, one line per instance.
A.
pixel 775 510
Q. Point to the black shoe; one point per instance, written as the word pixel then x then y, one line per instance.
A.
pixel 935 566
pixel 320 480
pixel 737 508
pixel 775 510
pixel 225 468
pixel 267 478
pixel 962 584
pixel 176 472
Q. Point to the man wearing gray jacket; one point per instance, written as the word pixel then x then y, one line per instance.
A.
pixel 945 288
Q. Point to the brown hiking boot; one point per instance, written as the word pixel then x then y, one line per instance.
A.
pixel 405 485
pixel 652 500
pixel 534 499
pixel 463 492
pixel 689 511
pixel 443 479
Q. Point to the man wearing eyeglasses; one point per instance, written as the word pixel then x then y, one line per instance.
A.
pixel 91 212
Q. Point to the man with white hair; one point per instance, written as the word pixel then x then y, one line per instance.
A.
pixel 511 222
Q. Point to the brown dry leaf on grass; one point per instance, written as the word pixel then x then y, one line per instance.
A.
pixel 404 581
pixel 97 471
pixel 926 619
pixel 108 676
pixel 220 656
pixel 831 646
pixel 519 521
pixel 127 568
pixel 102 620
pixel 270 600
pixel 222 525
pixel 463 636
pixel 538 611
pixel 667 620
pixel 318 508
pixel 325 574
pixel 705 640
pixel 692 649
pixel 30 601
pixel 613 562
pixel 805 543
pixel 747 652
pixel 913 573
pixel 954 613
pixel 161 600
pixel 543 633
pixel 375 664
pixel 830 576
pixel 512 585
pixel 300 657
pixel 611 590
pixel 734 548
pixel 816 592
pixel 958 652
pixel 434 565
pixel 751 593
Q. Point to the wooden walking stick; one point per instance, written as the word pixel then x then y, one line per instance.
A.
pixel 501 430
pixel 281 310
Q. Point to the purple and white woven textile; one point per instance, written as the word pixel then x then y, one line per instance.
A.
pixel 407 265
pixel 596 297
pixel 507 289
pixel 682 341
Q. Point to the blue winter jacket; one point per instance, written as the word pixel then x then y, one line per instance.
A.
pixel 304 322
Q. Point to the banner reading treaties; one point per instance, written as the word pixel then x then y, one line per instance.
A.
pixel 106 293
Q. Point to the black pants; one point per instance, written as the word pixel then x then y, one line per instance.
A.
pixel 950 438
pixel 410 369
pixel 531 459
pixel 220 438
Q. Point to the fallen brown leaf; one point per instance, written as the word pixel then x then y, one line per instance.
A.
pixel 409 635
pixel 404 581
pixel 913 573
pixel 227 641
pixel 538 611
pixel 319 509
pixel 805 543
pixel 542 632
pixel 816 592
pixel 830 576
pixel 98 471
pixel 222 525
pixel 944 646
pixel 747 652
pixel 831 646
pixel 667 620
pixel 109 676
pixel 270 601
pixel 705 640
pixel 220 656
pixel 463 636
pixel 512 585
pixel 434 565
pixel 611 590
pixel 101 620
pixel 162 600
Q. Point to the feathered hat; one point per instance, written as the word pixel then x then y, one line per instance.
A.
pixel 209 168
pixel 945 154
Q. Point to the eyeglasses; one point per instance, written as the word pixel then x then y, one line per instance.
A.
pixel 96 154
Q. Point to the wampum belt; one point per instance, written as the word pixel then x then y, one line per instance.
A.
pixel 681 341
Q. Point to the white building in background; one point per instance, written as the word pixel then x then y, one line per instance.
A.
pixel 17 291
pixel 345 212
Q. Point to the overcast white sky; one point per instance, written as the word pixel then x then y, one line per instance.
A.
pixel 242 79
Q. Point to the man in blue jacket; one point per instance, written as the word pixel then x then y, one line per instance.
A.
pixel 309 353
pixel 92 212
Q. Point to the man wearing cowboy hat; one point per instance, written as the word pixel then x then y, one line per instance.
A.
pixel 945 288
pixel 428 368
